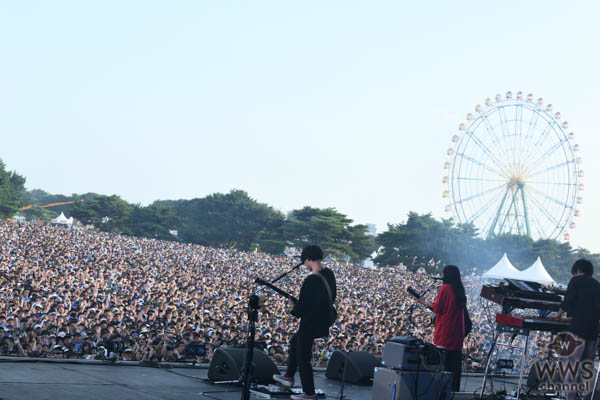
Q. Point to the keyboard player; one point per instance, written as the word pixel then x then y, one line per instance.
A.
pixel 582 303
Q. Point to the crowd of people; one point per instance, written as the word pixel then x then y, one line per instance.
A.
pixel 75 293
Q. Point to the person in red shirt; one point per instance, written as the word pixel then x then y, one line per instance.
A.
pixel 449 332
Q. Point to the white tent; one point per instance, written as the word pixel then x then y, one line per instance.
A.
pixel 503 269
pixel 537 273
pixel 61 219
pixel 19 218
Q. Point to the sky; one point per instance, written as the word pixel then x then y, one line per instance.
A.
pixel 341 104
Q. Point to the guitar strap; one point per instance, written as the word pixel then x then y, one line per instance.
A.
pixel 326 286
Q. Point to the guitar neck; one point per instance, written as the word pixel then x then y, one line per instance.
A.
pixel 416 295
pixel 276 289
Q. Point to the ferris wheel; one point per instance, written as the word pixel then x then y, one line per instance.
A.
pixel 513 168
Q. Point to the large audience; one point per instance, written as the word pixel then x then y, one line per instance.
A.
pixel 75 293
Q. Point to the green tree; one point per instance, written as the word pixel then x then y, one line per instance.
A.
pixel 362 244
pixel 41 214
pixel 39 197
pixel 465 248
pixel 108 213
pixel 230 220
pixel 12 190
pixel 557 257
pixel 87 211
pixel 35 196
pixel 329 229
pixel 153 221
pixel 420 242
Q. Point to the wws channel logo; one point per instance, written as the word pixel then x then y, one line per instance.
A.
pixel 570 372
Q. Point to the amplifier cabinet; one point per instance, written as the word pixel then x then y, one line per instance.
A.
pixel 389 384
pixel 407 357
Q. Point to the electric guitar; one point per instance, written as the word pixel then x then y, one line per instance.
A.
pixel 416 295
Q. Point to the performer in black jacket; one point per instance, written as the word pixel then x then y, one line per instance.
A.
pixel 582 304
pixel 313 310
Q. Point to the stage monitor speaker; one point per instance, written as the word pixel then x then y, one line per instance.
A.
pixel 392 384
pixel 359 368
pixel 227 363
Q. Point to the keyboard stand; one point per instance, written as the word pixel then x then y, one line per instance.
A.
pixel 500 329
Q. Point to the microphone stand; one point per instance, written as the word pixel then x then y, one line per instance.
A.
pixel 254 303
pixel 411 325
pixel 258 290
pixel 288 272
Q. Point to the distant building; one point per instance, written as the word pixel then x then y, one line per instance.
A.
pixel 372 229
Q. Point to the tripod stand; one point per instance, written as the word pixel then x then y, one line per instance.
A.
pixel 247 370
pixel 254 303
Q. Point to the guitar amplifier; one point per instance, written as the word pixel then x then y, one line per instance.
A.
pixel 411 353
pixel 389 384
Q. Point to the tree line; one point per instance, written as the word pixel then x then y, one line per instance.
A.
pixel 425 242
pixel 236 220
pixel 231 220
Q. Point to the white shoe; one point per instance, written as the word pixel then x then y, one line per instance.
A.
pixel 284 380
pixel 303 396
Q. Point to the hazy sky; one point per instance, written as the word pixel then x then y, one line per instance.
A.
pixel 340 104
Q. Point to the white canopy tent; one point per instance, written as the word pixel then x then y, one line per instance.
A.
pixel 503 269
pixel 61 219
pixel 537 273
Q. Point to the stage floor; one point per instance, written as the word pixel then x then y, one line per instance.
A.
pixel 62 380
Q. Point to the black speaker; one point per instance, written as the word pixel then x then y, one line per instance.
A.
pixel 359 368
pixel 227 363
